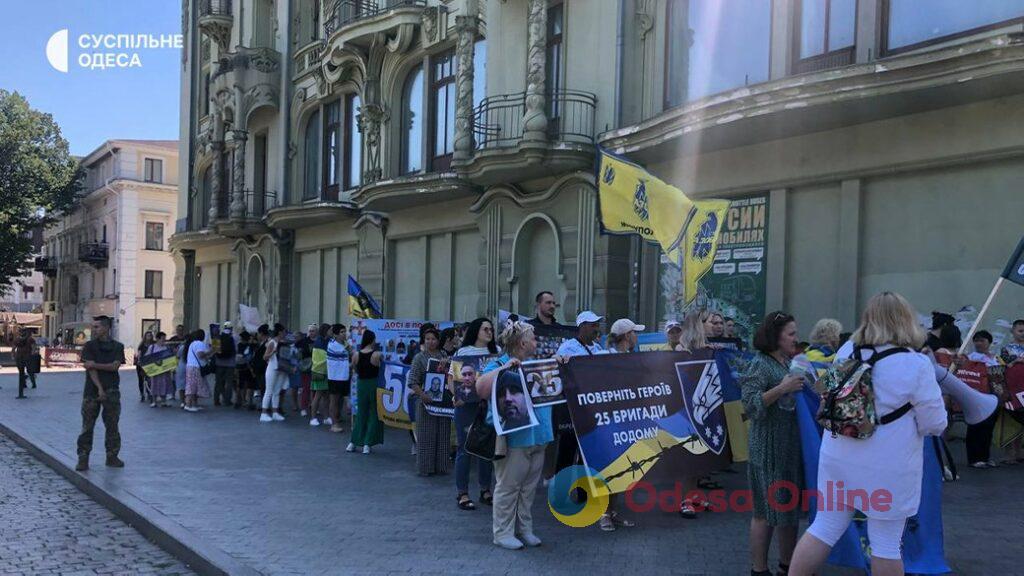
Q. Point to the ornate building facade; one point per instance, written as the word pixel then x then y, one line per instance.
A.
pixel 442 152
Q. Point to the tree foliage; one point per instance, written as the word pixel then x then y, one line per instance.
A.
pixel 39 179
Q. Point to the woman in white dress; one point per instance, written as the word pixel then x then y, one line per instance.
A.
pixel 888 465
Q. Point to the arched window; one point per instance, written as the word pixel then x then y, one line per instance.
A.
pixel 443 107
pixel 353 143
pixel 311 166
pixel 332 147
pixel 412 122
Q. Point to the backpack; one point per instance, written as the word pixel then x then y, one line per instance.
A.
pixel 847 405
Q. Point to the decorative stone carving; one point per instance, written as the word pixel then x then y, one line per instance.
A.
pixel 644 18
pixel 535 121
pixel 184 33
pixel 371 116
pixel 466 26
pixel 238 169
pixel 216 178
pixel 429 24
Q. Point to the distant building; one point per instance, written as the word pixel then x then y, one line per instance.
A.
pixel 26 292
pixel 110 254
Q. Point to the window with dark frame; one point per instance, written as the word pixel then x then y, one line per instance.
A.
pixel 555 60
pixel 442 95
pixel 906 27
pixel 154 236
pixel 154 284
pixel 412 121
pixel 332 149
pixel 151 325
pixel 826 34
pixel 353 165
pixel 154 170
pixel 311 184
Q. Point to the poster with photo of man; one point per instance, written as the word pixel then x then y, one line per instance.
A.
pixel 511 405
pixel 543 381
pixel 464 371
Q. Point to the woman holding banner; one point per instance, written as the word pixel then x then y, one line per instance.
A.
pixel 890 461
pixel 162 385
pixel 366 427
pixel 519 471
pixel 433 433
pixel 477 341
pixel 768 391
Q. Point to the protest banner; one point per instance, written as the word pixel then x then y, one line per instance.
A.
pixel 1015 389
pixel 215 338
pixel 58 356
pixel 549 338
pixel 435 385
pixel 543 381
pixel 511 405
pixel 159 363
pixel 249 317
pixel 393 396
pixel 731 364
pixel 655 416
pixel 394 337
pixel 464 371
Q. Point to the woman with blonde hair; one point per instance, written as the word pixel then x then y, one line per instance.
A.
pixel 518 473
pixel 890 461
pixel 824 342
pixel 693 336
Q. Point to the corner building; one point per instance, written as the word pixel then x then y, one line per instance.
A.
pixel 442 153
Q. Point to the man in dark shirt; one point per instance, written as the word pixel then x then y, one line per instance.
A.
pixel 23 349
pixel 544 311
pixel 101 357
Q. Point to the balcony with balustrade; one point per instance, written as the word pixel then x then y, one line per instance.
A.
pixel 47 265
pixel 256 206
pixel 95 254
pixel 503 152
pixel 357 21
pixel 215 21
pixel 255 72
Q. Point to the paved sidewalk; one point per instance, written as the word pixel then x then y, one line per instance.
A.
pixel 47 526
pixel 287 499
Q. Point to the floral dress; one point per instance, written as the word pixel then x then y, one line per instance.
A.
pixel 774 443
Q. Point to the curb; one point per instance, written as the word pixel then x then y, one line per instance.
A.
pixel 175 539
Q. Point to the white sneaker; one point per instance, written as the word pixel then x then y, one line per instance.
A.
pixel 277 417
pixel 329 422
pixel 152 405
pixel 413 450
pixel 305 412
pixel 191 409
pixel 530 539
pixel 509 543
pixel 265 417
pixel 350 448
pixel 314 422
pixel 366 449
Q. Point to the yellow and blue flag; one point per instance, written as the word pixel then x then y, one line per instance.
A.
pixel 632 201
pixel 159 363
pixel 360 303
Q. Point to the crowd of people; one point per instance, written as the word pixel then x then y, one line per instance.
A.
pixel 329 378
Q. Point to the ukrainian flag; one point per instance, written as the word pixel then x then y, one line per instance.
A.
pixel 360 303
pixel 632 201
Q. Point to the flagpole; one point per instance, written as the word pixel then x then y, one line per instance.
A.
pixel 981 314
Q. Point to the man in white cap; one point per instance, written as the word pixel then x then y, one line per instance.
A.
pixel 225 364
pixel 588 328
pixel 624 335
pixel 673 331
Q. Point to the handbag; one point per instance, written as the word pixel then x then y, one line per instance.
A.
pixel 482 440
pixel 205 369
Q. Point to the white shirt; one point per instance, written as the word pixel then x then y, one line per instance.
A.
pixel 574 347
pixel 272 363
pixel 339 363
pixel 987 359
pixel 475 351
pixel 194 350
pixel 892 459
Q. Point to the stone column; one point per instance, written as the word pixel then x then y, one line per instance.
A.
pixel 466 27
pixel 535 121
pixel 237 208
pixel 216 178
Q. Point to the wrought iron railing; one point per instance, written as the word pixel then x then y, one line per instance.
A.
pixel 498 120
pixel 258 203
pixel 46 264
pixel 95 253
pixel 346 11
pixel 215 8
pixel 308 57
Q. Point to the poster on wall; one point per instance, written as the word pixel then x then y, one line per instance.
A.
pixel 737 282
pixel 394 337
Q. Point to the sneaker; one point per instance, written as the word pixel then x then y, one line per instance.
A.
pixel 114 462
pixel 992 464
pixel 687 510
pixel 152 405
pixel 979 465
pixel 265 417
pixel 413 450
pixel 328 422
pixel 304 412
pixel 83 465
pixel 530 539
pixel 277 417
pixel 606 523
pixel 314 422
pixel 350 448
pixel 509 543
pixel 366 449
pixel 618 521
pixel 337 428
pixel 191 409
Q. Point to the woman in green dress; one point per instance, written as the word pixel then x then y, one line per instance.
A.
pixel 366 428
pixel 775 469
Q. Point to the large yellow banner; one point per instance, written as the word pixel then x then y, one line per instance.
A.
pixel 635 202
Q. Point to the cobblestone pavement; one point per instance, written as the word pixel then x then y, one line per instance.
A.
pixel 47 526
pixel 287 499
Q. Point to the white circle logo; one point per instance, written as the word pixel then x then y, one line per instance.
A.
pixel 57 50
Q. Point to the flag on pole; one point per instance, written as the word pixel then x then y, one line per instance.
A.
pixel 632 201
pixel 360 303
pixel 1014 271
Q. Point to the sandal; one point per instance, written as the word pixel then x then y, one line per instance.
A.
pixel 687 510
pixel 708 484
pixel 465 503
pixel 486 497
pixel 620 521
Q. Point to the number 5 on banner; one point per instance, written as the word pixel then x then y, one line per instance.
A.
pixel 395 391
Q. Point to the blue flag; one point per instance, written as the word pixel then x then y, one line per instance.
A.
pixel 922 539
pixel 360 303
pixel 1014 271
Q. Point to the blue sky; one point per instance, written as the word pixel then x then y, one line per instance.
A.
pixel 92 106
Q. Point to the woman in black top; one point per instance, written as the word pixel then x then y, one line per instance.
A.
pixel 366 428
pixel 147 341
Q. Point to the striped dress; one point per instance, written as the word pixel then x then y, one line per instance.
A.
pixel 433 433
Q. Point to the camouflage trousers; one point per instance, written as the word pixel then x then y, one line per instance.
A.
pixel 92 408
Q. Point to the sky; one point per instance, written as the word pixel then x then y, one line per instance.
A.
pixel 94 105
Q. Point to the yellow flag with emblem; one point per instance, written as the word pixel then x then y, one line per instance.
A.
pixel 633 201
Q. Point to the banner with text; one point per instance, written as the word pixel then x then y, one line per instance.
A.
pixel 394 337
